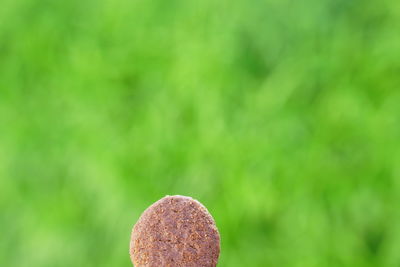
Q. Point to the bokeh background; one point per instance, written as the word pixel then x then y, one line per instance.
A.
pixel 282 117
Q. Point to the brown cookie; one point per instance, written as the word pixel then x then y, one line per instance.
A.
pixel 175 231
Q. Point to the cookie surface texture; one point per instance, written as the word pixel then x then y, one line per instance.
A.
pixel 175 231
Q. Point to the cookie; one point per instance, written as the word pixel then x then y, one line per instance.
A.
pixel 175 231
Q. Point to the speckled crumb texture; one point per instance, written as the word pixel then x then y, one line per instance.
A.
pixel 175 231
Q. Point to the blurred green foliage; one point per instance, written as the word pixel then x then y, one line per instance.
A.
pixel 282 117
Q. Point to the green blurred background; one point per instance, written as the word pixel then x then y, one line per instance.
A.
pixel 281 116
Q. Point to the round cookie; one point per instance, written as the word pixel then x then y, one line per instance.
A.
pixel 175 231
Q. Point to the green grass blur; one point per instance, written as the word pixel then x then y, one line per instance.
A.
pixel 282 117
